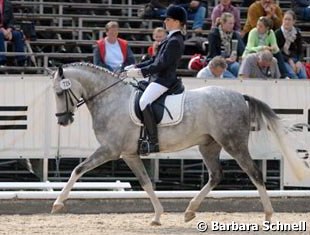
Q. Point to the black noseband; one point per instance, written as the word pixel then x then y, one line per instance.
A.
pixel 64 113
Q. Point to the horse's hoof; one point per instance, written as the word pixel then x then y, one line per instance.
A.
pixel 58 208
pixel 155 223
pixel 189 215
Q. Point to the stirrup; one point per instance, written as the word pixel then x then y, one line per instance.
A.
pixel 146 147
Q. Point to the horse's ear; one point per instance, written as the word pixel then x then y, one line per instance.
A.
pixel 60 71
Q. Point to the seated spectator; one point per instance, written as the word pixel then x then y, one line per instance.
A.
pixel 8 33
pixel 155 9
pixel 215 69
pixel 290 43
pixel 226 42
pixel 262 37
pixel 159 34
pixel 225 6
pixel 259 65
pixel 302 9
pixel 196 11
pixel 112 52
pixel 262 8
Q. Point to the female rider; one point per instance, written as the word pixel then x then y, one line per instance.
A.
pixel 162 70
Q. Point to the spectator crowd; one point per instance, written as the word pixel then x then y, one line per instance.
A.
pixel 268 30
pixel 231 42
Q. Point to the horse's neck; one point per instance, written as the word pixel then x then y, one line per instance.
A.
pixel 98 85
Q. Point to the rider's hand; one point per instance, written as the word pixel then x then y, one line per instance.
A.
pixel 134 73
pixel 132 66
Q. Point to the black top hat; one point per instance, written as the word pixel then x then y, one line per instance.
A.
pixel 177 13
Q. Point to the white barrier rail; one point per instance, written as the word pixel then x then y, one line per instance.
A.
pixel 119 186
pixel 142 194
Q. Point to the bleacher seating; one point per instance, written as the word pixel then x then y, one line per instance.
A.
pixel 67 30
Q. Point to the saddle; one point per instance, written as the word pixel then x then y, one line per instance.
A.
pixel 170 104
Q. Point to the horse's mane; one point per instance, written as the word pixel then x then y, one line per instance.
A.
pixel 91 67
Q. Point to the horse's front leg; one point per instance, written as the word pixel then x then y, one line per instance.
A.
pixel 137 167
pixel 100 156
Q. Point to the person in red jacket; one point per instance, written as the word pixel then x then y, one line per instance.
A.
pixel 112 52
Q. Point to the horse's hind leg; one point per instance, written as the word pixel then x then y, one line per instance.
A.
pixel 100 156
pixel 137 167
pixel 210 155
pixel 243 158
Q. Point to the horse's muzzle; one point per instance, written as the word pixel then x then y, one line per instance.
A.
pixel 65 119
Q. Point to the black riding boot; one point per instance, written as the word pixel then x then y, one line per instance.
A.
pixel 151 129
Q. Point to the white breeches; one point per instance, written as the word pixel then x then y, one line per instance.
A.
pixel 151 93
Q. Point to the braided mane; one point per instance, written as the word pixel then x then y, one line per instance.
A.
pixel 91 67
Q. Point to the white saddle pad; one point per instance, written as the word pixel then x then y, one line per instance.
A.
pixel 174 103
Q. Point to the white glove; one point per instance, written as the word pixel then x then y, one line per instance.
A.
pixel 134 73
pixel 132 66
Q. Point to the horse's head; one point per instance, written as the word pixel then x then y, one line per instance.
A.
pixel 68 92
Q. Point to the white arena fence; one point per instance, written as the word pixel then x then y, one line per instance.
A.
pixel 7 195
pixel 28 126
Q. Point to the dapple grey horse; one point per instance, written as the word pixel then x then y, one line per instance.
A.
pixel 214 118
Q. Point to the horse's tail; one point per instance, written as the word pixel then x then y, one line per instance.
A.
pixel 264 116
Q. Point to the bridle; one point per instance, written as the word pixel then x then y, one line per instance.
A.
pixel 69 94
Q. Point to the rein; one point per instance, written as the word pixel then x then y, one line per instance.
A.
pixel 83 101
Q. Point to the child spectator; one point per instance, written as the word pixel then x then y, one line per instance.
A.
pixel 159 34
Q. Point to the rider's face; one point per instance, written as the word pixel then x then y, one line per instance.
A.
pixel 171 24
